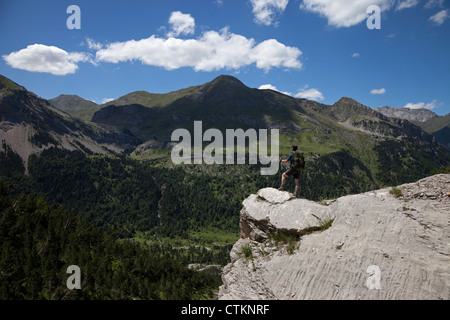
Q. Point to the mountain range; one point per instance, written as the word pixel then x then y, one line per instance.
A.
pixel 226 102
pixel 142 123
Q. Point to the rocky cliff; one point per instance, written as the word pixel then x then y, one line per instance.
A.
pixel 416 115
pixel 392 243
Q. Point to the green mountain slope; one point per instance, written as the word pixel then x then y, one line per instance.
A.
pixel 8 87
pixel 350 148
pixel 222 103
pixel 75 106
pixel 226 103
pixel 436 124
pixel 440 128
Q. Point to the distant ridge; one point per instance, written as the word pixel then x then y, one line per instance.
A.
pixel 430 122
pixel 347 136
pixel 416 115
pixel 75 106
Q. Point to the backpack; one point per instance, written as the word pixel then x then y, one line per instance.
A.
pixel 299 161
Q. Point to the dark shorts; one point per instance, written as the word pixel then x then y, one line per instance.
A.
pixel 294 173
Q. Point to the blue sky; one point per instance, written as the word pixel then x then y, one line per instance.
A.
pixel 316 49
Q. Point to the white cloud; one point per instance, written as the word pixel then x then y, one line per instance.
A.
pixel 378 91
pixel 392 35
pixel 212 51
pixel 434 3
pixel 310 94
pixel 106 100
pixel 343 13
pixel 304 93
pixel 422 105
pixel 48 59
pixel 271 87
pixel 405 4
pixel 440 17
pixel 265 11
pixel 93 45
pixel 271 53
pixel 355 55
pixel 182 24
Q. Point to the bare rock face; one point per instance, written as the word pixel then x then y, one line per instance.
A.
pixel 279 211
pixel 418 115
pixel 376 245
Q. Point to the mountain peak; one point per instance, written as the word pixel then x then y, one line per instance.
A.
pixel 75 106
pixel 226 80
pixel 347 108
pixel 346 100
pixel 70 101
pixel 221 91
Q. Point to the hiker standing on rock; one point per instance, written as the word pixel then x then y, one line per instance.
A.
pixel 296 165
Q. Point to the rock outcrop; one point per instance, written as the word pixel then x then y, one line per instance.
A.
pixel 392 243
pixel 417 115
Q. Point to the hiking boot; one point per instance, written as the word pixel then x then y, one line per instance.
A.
pixel 296 192
pixel 281 188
